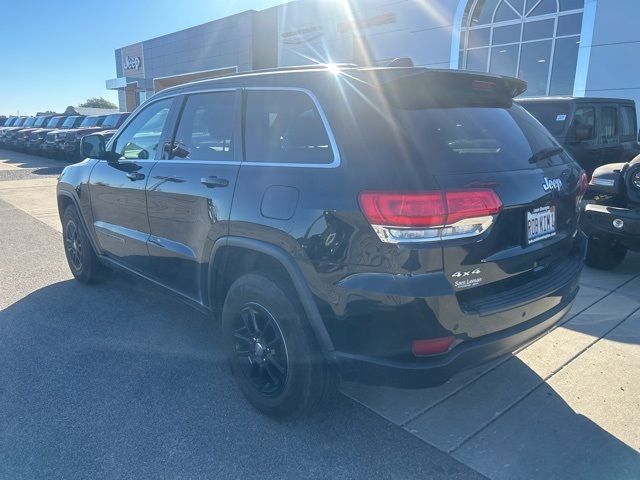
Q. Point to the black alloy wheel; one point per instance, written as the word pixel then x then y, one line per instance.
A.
pixel 261 350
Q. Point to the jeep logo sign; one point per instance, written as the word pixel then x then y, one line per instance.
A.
pixel 549 185
pixel 132 63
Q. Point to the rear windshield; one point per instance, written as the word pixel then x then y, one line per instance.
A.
pixel 554 116
pixel 476 139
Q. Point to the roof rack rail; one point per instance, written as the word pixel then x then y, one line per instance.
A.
pixel 315 66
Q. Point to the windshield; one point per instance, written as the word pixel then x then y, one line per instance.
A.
pixel 69 122
pixel 40 121
pixel 552 115
pixel 90 121
pixel 111 121
pixel 53 123
pixel 472 140
pixel 30 122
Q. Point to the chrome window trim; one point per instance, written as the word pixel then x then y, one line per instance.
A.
pixel 337 159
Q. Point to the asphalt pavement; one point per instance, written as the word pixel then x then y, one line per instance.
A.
pixel 120 381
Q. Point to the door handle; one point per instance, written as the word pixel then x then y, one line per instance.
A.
pixel 214 182
pixel 135 176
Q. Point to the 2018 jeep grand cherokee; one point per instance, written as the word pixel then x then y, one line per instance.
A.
pixel 392 226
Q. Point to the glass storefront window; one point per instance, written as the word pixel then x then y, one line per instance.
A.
pixel 538 40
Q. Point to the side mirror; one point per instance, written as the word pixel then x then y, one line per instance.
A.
pixel 94 146
pixel 582 133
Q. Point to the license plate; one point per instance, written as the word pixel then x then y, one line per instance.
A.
pixel 541 224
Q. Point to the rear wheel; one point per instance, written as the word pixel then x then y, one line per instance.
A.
pixel 272 351
pixel 83 261
pixel 605 254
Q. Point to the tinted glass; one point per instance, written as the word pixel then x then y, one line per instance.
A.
pixel 504 60
pixel 140 139
pixel 609 121
pixel 479 37
pixel 206 128
pixel 508 34
pixel 628 126
pixel 552 115
pixel 565 62
pixel 585 117
pixel 470 140
pixel 112 121
pixel 53 122
pixel 477 60
pixel 534 66
pixel 30 122
pixel 39 122
pixel 569 25
pixel 69 122
pixel 538 30
pixel 285 127
pixel 90 122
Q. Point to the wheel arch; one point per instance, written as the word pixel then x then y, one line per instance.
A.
pixel 282 263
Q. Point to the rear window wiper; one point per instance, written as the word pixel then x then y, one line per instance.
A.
pixel 546 153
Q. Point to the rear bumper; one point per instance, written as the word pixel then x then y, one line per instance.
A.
pixel 597 221
pixel 424 373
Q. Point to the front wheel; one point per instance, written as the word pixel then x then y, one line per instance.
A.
pixel 272 351
pixel 605 254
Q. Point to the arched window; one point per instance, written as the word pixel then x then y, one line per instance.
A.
pixel 535 40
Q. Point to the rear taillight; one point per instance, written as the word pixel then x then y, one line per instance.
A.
pixel 434 346
pixel 430 216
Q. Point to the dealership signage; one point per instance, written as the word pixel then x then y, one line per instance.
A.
pixel 302 35
pixel 365 23
pixel 132 63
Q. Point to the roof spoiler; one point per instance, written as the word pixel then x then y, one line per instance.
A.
pixel 429 88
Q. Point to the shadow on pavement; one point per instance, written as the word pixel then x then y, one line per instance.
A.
pixel 119 381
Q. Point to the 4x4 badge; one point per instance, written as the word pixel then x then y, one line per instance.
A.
pixel 555 184
pixel 466 274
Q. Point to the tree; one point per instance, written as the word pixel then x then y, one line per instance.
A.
pixel 98 102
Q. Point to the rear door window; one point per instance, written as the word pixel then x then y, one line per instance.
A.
pixel 285 126
pixel 628 123
pixel 206 128
pixel 609 124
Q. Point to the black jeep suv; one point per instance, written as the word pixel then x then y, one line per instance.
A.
pixel 612 214
pixel 388 225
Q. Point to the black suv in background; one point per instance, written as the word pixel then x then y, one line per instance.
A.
pixel 595 131
pixel 392 226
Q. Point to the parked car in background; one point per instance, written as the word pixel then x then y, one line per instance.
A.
pixel 37 137
pixel 611 217
pixel 70 143
pixel 51 145
pixel 3 120
pixel 393 225
pixel 595 131
pixel 16 124
pixel 19 138
pixel 112 124
pixel 10 135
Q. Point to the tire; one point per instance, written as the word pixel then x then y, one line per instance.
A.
pixel 605 255
pixel 83 261
pixel 284 374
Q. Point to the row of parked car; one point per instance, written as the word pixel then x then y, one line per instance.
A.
pixel 56 136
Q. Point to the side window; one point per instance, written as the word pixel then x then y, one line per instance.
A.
pixel 609 123
pixel 139 141
pixel 285 127
pixel 628 123
pixel 206 128
pixel 585 117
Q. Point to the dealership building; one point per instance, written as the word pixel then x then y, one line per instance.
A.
pixel 560 47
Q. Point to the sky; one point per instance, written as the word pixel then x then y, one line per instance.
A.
pixel 59 53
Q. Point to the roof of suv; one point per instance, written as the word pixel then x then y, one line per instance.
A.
pixel 304 75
